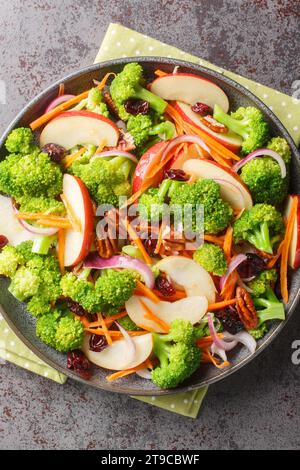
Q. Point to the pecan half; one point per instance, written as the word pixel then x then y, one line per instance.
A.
pixel 246 309
pixel 214 125
pixel 109 102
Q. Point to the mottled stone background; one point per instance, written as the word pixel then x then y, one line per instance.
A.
pixel 259 407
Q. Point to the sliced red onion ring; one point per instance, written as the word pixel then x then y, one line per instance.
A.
pixel 189 139
pixel 130 343
pixel 262 153
pixel 57 101
pixel 144 373
pixel 232 266
pixel 95 262
pixel 225 345
pixel 219 351
pixel 45 231
pixel 242 337
pixel 116 153
pixel 243 285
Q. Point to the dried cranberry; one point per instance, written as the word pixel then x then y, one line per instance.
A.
pixel 230 320
pixel 252 266
pixel 164 286
pixel 202 109
pixel 150 245
pixel 76 308
pixel 98 343
pixel 77 361
pixel 3 241
pixel 135 107
pixel 56 152
pixel 178 175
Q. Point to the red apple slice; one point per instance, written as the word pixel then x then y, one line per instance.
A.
pixel 78 128
pixel 190 89
pixel 144 165
pixel 232 188
pixel 294 251
pixel 78 243
pixel 230 140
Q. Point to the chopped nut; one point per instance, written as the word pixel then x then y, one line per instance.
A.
pixel 214 125
pixel 246 309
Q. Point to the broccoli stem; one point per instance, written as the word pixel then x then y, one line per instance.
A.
pixel 158 104
pixel 41 245
pixel 84 274
pixel 161 349
pixel 261 239
pixel 235 126
pixel 164 188
pixel 273 309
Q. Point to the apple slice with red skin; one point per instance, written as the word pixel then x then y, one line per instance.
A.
pixel 294 250
pixel 230 140
pixel 226 178
pixel 145 165
pixel 78 243
pixel 190 89
pixel 78 128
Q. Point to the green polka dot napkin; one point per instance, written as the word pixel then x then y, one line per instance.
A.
pixel 123 42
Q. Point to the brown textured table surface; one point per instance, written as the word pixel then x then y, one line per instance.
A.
pixel 258 407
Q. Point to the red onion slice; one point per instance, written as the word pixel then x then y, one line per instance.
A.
pixel 225 345
pixel 262 153
pixel 131 346
pixel 57 101
pixel 116 153
pixel 242 337
pixel 189 139
pixel 95 262
pixel 232 266
pixel 219 351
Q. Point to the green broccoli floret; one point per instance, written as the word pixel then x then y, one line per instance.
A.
pixel 81 291
pixel 41 204
pixel 106 179
pixel 211 258
pixel 31 175
pixel 152 202
pixel 142 128
pixel 262 281
pixel 268 307
pixel 25 251
pixel 114 289
pixel 259 332
pixel 280 145
pixel 25 283
pixel 205 193
pixel 10 259
pixel 39 305
pixel 21 141
pixel 262 226
pixel 95 102
pixel 178 355
pixel 263 178
pixel 247 122
pixel 127 85
pixel 128 324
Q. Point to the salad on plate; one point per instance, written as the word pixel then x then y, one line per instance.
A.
pixel 147 226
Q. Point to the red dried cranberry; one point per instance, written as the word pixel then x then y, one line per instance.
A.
pixel 76 308
pixel 230 320
pixel 202 109
pixel 252 266
pixel 56 152
pixel 178 175
pixel 98 343
pixel 164 286
pixel 77 361
pixel 135 107
pixel 3 241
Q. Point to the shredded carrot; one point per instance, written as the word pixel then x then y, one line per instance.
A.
pixel 137 241
pixel 75 222
pixel 275 258
pixel 101 146
pixel 151 316
pixel 213 239
pixel 160 73
pixel 123 373
pixel 171 298
pixel 160 238
pixel 207 341
pixel 149 364
pixel 51 223
pixel 227 246
pixel 147 292
pixel 69 159
pixel 104 326
pixel 220 305
pixel 61 89
pixel 208 357
pixel 83 320
pixel 228 290
pixel 64 106
pixel 40 215
pixel 108 321
pixel 114 333
pixel 285 250
pixel 61 250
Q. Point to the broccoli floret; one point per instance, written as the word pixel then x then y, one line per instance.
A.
pixel 151 203
pixel 24 284
pixel 211 258
pixel 280 145
pixel 25 251
pixel 41 204
pixel 114 289
pixel 10 259
pixel 46 328
pixel 247 122
pixel 128 324
pixel 39 305
pixel 263 178
pixel 259 332
pixel 20 141
pixel 268 307
pixel 262 281
pixel 31 175
pixel 141 127
pixel 128 84
pixel 262 226
pixel 217 213
pixel 106 179
pixel 81 291
pixel 178 355
pixel 95 102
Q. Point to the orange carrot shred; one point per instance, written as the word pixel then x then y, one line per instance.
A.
pixel 227 246
pixel 104 326
pixel 215 361
pixel 137 241
pixel 113 333
pixel 61 89
pixel 160 73
pixel 213 239
pixel 54 224
pixel 83 320
pixel 101 146
pixel 123 373
pixel 151 316
pixel 285 250
pixel 61 250
pixel 220 305
pixel 147 292
pixel 69 159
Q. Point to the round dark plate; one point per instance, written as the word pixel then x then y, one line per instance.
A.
pixel 23 324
